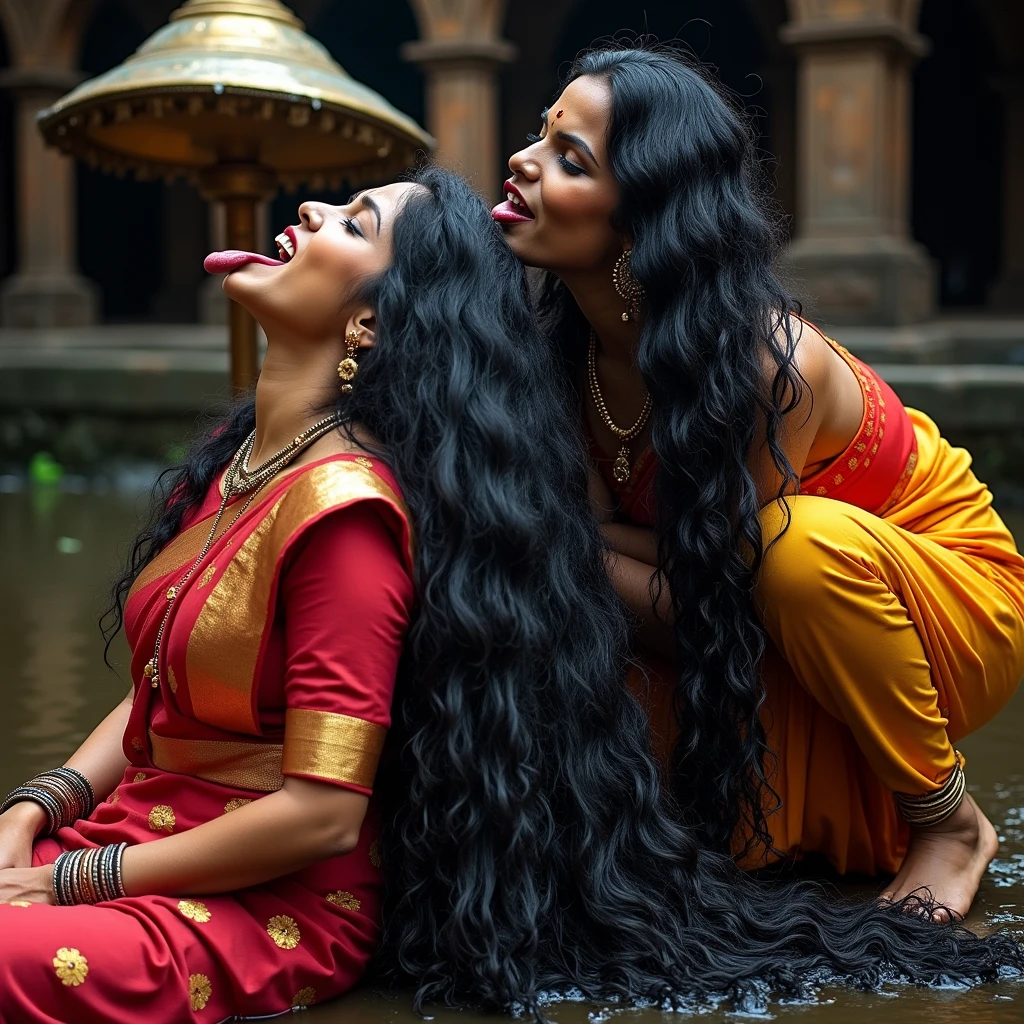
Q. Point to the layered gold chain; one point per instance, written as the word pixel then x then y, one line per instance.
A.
pixel 621 468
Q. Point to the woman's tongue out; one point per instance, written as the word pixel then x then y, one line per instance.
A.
pixel 231 259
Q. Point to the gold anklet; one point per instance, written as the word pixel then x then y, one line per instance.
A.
pixel 931 808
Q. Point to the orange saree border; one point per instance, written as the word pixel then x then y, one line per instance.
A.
pixel 221 675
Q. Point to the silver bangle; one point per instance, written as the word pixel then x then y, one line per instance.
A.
pixel 932 808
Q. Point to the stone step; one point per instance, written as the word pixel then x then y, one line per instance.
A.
pixel 179 370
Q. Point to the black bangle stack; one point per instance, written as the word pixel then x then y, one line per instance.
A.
pixel 65 794
pixel 89 876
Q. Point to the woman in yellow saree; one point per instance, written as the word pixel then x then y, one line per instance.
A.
pixel 380 641
pixel 826 600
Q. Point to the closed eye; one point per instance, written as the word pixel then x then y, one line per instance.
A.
pixel 352 227
pixel 569 167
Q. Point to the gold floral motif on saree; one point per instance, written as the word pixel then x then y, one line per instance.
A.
pixel 234 804
pixel 225 643
pixel 140 777
pixel 343 899
pixel 162 819
pixel 70 966
pixel 303 998
pixel 284 930
pixel 194 911
pixel 199 991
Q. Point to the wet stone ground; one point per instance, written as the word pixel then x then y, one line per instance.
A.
pixel 58 552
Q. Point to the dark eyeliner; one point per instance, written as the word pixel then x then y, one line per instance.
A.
pixel 352 227
pixel 569 167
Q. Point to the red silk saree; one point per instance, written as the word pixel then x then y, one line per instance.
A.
pixel 279 659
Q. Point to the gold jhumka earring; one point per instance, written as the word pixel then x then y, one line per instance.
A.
pixel 348 367
pixel 630 290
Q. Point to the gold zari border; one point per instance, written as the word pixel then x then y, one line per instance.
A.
pixel 245 765
pixel 333 747
pixel 182 550
pixel 226 640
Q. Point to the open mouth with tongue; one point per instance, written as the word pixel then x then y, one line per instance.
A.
pixel 514 210
pixel 231 259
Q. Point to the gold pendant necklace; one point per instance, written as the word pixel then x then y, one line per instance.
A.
pixel 621 469
pixel 238 480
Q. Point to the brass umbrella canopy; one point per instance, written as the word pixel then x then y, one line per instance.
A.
pixel 236 97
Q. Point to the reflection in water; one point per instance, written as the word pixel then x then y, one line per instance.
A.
pixel 58 552
pixel 53 676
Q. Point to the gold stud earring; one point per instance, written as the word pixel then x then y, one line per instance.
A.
pixel 630 290
pixel 348 367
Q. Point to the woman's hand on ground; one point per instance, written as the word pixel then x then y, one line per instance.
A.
pixel 19 827
pixel 27 885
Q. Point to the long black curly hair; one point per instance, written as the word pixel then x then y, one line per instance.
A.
pixel 705 238
pixel 527 847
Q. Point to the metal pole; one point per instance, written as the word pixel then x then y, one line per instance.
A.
pixel 240 186
pixel 240 233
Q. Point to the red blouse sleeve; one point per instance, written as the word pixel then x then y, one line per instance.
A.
pixel 346 596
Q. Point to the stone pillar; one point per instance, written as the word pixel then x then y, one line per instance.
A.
pixel 1008 291
pixel 853 258
pixel 461 54
pixel 46 289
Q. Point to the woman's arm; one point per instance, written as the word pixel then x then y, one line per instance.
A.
pixel 654 619
pixel 100 759
pixel 284 832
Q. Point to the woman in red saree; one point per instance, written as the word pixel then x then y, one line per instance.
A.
pixel 826 600
pixel 430 574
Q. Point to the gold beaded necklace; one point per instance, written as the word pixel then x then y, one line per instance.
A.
pixel 621 469
pixel 238 480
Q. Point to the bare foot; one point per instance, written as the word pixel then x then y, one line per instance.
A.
pixel 948 860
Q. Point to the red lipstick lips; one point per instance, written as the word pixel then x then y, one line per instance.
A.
pixel 514 209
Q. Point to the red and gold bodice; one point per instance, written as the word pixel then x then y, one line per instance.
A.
pixel 280 652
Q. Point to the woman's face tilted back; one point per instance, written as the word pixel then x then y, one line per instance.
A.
pixel 334 249
pixel 566 185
